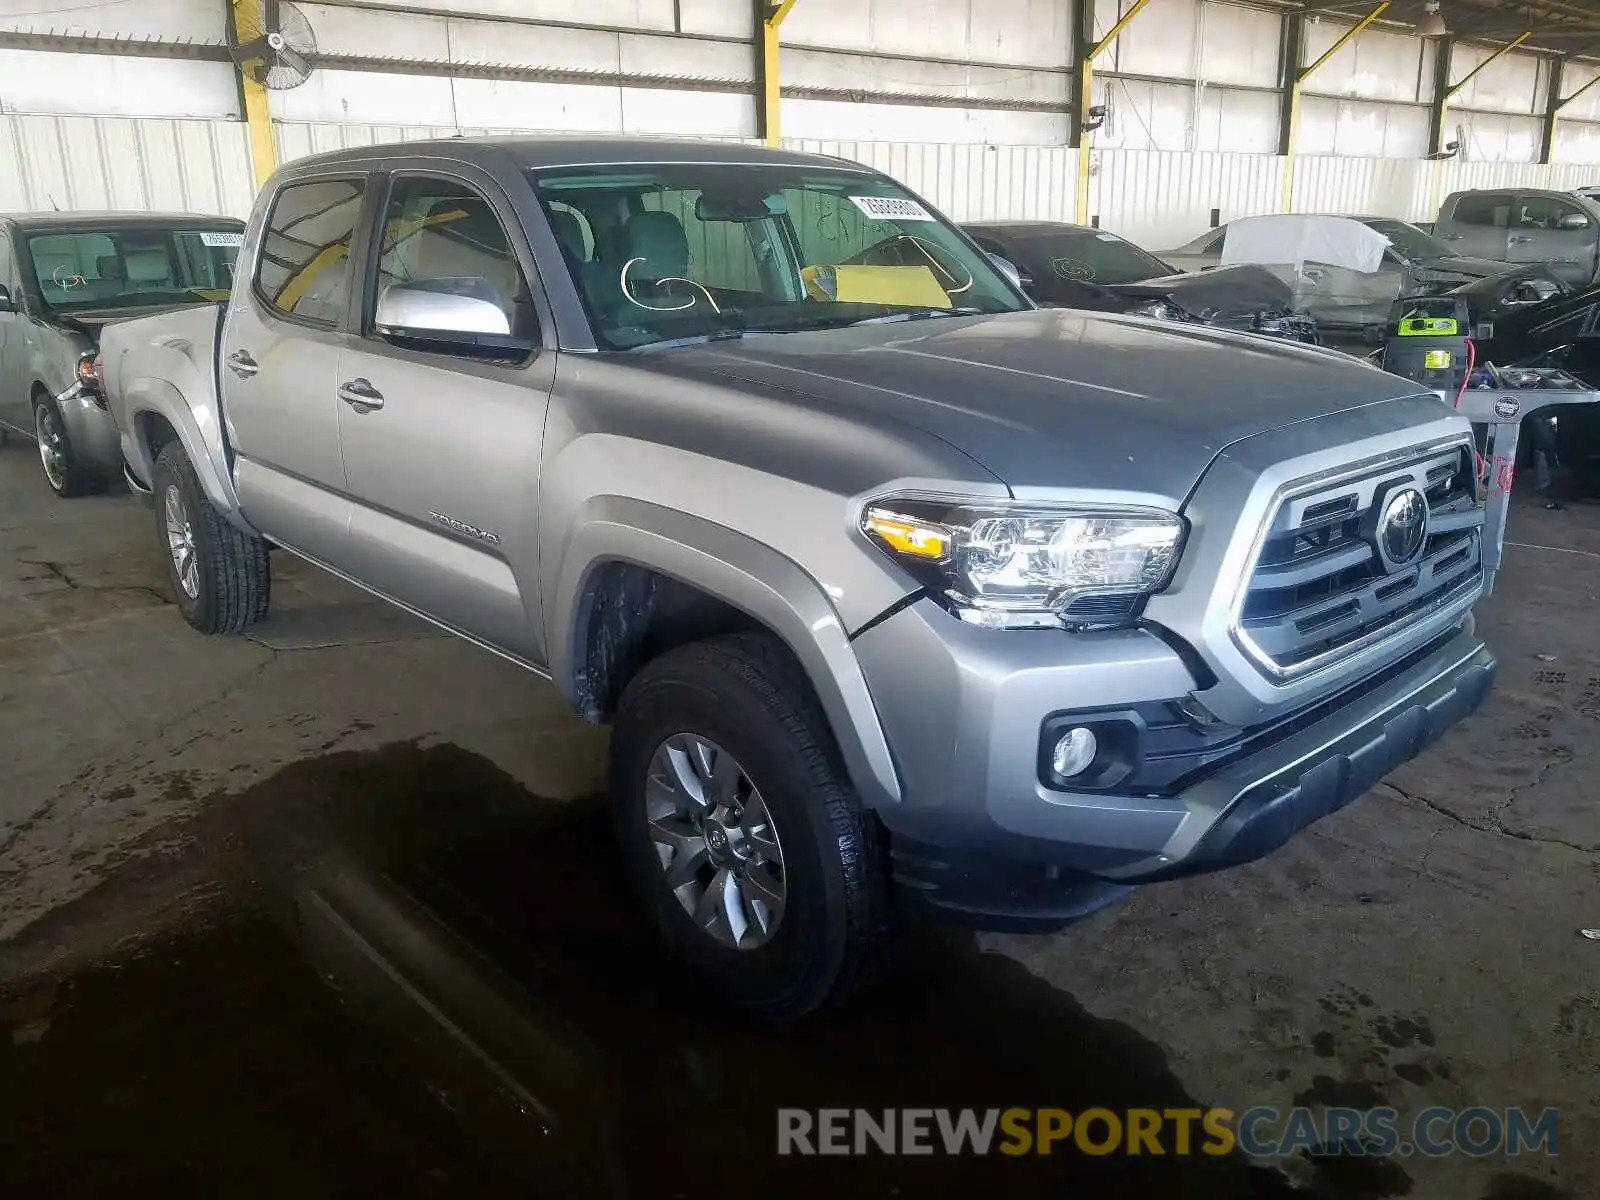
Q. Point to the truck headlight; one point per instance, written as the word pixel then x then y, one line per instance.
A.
pixel 1030 567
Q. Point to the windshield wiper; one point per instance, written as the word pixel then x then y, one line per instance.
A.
pixel 809 323
pixel 921 314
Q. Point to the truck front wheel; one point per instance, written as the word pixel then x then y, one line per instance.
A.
pixel 65 474
pixel 219 575
pixel 741 831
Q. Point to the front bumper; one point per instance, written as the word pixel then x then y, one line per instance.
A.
pixel 980 834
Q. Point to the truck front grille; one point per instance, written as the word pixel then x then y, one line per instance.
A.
pixel 1320 590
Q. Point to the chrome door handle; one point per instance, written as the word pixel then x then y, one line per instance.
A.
pixel 360 395
pixel 1522 237
pixel 1450 237
pixel 242 365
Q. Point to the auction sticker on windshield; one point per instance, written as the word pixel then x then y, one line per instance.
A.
pixel 213 237
pixel 891 208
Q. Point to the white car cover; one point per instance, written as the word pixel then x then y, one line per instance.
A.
pixel 1331 264
pixel 1290 240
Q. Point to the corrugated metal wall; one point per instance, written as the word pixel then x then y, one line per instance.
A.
pixel 124 164
pixel 1158 198
pixel 972 183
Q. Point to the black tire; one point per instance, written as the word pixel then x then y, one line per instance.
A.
pixel 233 583
pixel 71 477
pixel 746 693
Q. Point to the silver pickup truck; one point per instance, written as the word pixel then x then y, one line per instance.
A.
pixel 898 592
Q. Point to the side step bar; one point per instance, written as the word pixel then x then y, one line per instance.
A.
pixel 138 489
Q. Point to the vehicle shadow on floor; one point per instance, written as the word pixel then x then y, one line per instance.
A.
pixel 694 1094
pixel 492 1006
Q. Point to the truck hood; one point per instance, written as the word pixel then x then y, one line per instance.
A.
pixel 1058 398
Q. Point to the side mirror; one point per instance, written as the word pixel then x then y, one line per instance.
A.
pixel 1572 221
pixel 449 315
pixel 7 304
pixel 1009 270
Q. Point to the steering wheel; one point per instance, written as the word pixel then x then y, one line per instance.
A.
pixel 67 280
pixel 628 293
pixel 933 260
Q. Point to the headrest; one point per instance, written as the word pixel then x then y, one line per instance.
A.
pixel 569 233
pixel 108 266
pixel 147 266
pixel 47 264
pixel 658 238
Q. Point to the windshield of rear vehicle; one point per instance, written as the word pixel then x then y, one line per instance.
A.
pixel 675 250
pixel 1083 255
pixel 1410 241
pixel 131 266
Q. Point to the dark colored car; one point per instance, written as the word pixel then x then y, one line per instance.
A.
pixel 1535 319
pixel 1073 266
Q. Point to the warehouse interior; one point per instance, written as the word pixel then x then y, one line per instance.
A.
pixel 333 905
pixel 973 104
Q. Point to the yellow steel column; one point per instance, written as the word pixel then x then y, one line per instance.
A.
pixel 771 72
pixel 1086 99
pixel 1297 81
pixel 257 112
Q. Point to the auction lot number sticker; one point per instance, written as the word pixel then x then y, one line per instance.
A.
pixel 891 208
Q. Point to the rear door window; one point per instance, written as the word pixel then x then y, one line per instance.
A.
pixel 304 268
pixel 1491 210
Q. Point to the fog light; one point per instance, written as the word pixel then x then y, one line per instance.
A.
pixel 1074 753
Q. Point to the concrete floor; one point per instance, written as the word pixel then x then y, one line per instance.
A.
pixel 167 799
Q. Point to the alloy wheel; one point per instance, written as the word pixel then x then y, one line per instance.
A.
pixel 716 841
pixel 180 542
pixel 52 446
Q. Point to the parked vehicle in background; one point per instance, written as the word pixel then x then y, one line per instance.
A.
pixel 1345 301
pixel 1515 328
pixel 1074 266
pixel 1525 225
pixel 63 275
pixel 885 577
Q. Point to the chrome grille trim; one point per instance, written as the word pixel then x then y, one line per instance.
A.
pixel 1310 540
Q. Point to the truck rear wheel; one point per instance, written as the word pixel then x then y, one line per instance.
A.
pixel 220 576
pixel 741 831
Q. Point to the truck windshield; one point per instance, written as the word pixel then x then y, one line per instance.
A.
pixel 131 266
pixel 667 251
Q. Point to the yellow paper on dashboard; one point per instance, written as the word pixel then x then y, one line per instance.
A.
pixel 911 287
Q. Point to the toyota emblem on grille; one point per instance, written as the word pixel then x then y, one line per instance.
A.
pixel 1402 528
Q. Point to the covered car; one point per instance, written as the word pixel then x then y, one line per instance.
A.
pixel 1340 294
pixel 1073 266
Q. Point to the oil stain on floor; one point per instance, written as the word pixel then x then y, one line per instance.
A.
pixel 398 973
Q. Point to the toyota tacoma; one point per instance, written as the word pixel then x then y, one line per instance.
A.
pixel 897 591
